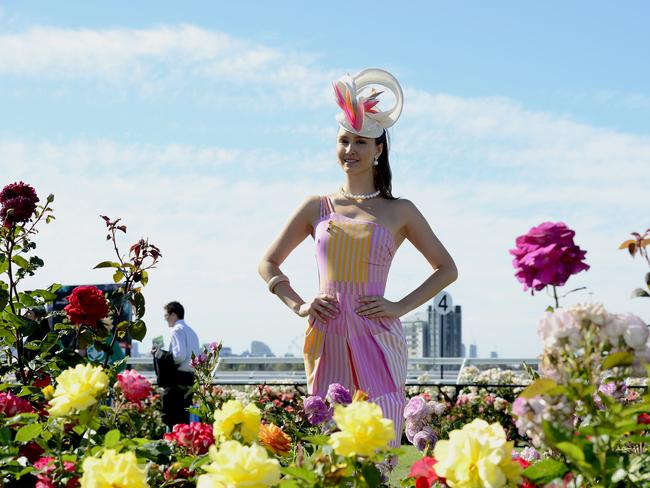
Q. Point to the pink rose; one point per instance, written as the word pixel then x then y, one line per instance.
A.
pixel 134 386
pixel 195 437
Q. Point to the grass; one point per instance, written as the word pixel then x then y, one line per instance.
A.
pixel 404 464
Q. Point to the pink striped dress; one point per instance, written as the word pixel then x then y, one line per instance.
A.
pixel 370 354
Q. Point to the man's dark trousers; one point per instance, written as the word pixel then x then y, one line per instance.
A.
pixel 176 399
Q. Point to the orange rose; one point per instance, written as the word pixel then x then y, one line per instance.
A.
pixel 272 437
pixel 360 396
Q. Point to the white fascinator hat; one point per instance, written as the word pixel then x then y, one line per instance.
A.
pixel 358 104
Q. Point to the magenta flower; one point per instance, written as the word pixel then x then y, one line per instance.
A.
pixel 198 361
pixel 134 386
pixel 316 410
pixel 11 405
pixel 547 255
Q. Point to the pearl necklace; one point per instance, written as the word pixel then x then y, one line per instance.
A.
pixel 359 197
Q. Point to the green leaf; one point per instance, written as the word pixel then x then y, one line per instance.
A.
pixel 300 473
pixel 372 475
pixel 28 432
pixel 545 471
pixel 138 330
pixel 288 484
pixel 4 264
pixel 54 287
pixel 108 264
pixel 5 436
pixel 26 299
pixel 639 292
pixel 46 295
pixel 571 451
pixel 538 387
pixel 112 438
pixel 553 434
pixel 138 299
pixel 118 276
pixel 318 440
pixel 622 358
pixel 4 298
pixel 21 261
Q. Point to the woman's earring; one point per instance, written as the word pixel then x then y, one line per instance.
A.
pixel 376 161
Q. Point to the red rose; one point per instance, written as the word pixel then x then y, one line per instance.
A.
pixel 31 451
pixel 424 472
pixel 86 306
pixel 643 418
pixel 18 202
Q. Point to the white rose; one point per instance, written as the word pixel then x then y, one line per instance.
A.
pixel 500 404
pixel 636 334
pixel 615 326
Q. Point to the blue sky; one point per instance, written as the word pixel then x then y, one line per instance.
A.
pixel 203 125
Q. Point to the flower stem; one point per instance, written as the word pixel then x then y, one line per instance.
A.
pixel 557 302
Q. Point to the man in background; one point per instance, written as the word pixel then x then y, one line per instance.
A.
pixel 176 398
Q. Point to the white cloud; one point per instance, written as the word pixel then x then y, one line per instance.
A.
pixel 160 60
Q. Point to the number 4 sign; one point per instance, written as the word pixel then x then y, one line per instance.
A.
pixel 443 303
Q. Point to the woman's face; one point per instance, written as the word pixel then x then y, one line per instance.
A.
pixel 356 154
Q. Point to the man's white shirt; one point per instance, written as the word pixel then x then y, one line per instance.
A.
pixel 183 343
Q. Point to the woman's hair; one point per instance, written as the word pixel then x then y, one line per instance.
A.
pixel 382 172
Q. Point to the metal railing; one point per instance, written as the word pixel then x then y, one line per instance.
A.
pixel 421 371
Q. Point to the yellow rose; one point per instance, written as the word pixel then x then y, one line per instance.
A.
pixel 48 392
pixel 363 429
pixel 77 389
pixel 113 470
pixel 234 465
pixel 477 456
pixel 233 414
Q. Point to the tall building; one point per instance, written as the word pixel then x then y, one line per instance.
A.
pixel 416 331
pixel 434 335
pixel 473 351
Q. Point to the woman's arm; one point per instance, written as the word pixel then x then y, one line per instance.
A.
pixel 297 228
pixel 417 230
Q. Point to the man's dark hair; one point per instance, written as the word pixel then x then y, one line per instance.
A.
pixel 177 308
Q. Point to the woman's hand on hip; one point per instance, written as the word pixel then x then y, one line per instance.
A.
pixel 322 308
pixel 377 306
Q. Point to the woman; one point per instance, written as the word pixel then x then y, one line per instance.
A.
pixel 354 336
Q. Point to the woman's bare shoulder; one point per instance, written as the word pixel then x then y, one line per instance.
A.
pixel 309 208
pixel 402 205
